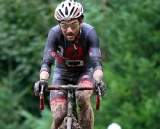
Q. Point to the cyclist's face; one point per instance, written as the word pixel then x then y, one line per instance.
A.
pixel 70 29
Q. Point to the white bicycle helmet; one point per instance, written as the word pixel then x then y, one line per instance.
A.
pixel 114 126
pixel 68 10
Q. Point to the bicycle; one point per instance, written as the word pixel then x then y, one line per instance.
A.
pixel 70 121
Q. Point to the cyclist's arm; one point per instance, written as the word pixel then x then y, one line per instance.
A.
pixel 48 56
pixel 94 50
pixel 95 54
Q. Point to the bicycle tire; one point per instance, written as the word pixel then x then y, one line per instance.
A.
pixel 69 123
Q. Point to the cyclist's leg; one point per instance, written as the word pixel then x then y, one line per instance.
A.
pixel 58 108
pixel 58 102
pixel 86 115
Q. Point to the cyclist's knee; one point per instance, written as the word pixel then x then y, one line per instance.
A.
pixel 83 97
pixel 59 111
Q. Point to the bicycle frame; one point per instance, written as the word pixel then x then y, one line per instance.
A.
pixel 71 106
pixel 71 89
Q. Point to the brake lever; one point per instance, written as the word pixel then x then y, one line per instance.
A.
pixel 41 106
pixel 41 92
pixel 99 93
pixel 98 96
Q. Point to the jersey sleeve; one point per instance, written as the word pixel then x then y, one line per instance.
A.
pixel 94 50
pixel 49 51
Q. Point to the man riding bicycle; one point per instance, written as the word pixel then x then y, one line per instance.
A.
pixel 73 46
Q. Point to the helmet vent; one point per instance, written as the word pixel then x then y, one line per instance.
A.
pixel 66 11
pixel 62 5
pixel 61 12
pixel 72 11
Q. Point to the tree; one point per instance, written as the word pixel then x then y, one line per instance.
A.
pixel 133 64
pixel 23 34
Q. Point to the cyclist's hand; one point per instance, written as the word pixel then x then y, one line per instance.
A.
pixel 37 86
pixel 102 87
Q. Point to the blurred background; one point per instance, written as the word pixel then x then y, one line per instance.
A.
pixel 129 33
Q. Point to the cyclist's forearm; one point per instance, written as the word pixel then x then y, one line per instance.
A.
pixel 98 75
pixel 45 71
pixel 95 58
pixel 44 75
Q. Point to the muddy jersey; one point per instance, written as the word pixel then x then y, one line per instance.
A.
pixel 72 56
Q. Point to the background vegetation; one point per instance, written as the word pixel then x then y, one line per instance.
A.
pixel 129 38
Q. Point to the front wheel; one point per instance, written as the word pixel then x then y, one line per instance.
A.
pixel 69 123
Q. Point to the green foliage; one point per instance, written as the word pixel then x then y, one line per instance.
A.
pixel 9 104
pixel 132 58
pixel 33 122
pixel 23 36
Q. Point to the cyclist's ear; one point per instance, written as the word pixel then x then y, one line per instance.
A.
pixel 80 22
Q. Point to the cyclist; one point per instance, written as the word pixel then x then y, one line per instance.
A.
pixel 73 46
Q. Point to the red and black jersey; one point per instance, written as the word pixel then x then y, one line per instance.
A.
pixel 70 56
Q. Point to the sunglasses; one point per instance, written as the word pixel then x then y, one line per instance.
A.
pixel 72 25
